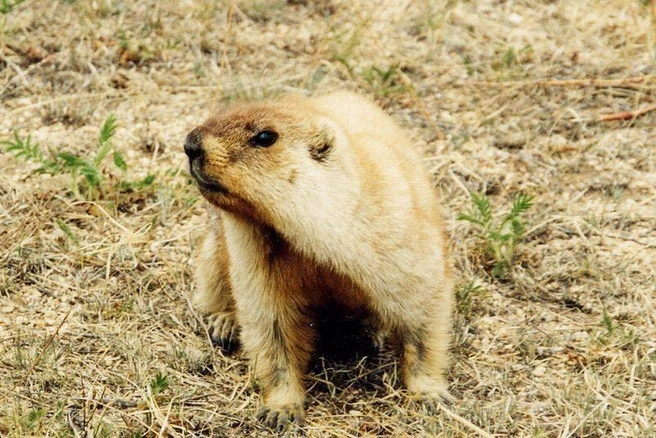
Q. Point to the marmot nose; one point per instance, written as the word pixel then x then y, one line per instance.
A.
pixel 193 146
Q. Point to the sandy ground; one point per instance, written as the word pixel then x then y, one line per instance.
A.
pixel 554 99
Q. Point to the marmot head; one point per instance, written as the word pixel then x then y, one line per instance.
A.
pixel 251 157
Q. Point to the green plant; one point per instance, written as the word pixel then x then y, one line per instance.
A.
pixel 262 11
pixel 624 334
pixel 384 81
pixel 465 296
pixel 159 383
pixel 7 6
pixel 24 148
pixel 347 39
pixel 510 57
pixel 32 421
pixel 607 322
pixel 90 168
pixel 89 175
pixel 468 62
pixel 67 231
pixel 431 17
pixel 502 236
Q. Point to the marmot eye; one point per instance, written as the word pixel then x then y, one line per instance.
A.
pixel 264 139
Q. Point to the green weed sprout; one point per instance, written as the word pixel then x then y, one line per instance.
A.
pixel 90 168
pixel 159 383
pixel 87 177
pixel 7 6
pixel 500 237
pixel 384 81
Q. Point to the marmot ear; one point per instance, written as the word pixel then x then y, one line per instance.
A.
pixel 322 143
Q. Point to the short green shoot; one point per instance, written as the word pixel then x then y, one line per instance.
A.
pixel 384 81
pixel 500 237
pixel 90 169
pixel 24 148
pixel 623 335
pixel 6 6
pixel 607 322
pixel 105 139
pixel 32 421
pixel 510 57
pixel 67 231
pixel 159 383
pixel 466 295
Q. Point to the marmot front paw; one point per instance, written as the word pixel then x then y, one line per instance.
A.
pixel 281 419
pixel 224 331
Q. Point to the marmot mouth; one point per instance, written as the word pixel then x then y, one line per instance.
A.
pixel 208 185
pixel 211 187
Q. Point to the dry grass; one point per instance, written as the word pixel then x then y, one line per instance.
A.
pixel 97 337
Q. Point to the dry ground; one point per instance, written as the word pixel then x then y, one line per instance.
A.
pixel 97 337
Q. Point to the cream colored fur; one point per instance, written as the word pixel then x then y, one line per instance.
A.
pixel 295 229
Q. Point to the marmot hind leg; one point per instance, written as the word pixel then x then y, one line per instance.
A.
pixel 425 350
pixel 213 295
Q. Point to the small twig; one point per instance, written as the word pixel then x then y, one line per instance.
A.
pixel 225 63
pixel 38 359
pixel 490 116
pixel 19 73
pixel 632 81
pixel 105 402
pixel 70 97
pixel 103 211
pixel 627 115
pixel 120 403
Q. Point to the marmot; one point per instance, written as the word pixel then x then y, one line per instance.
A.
pixel 318 202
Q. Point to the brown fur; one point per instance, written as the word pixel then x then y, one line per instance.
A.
pixel 338 210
